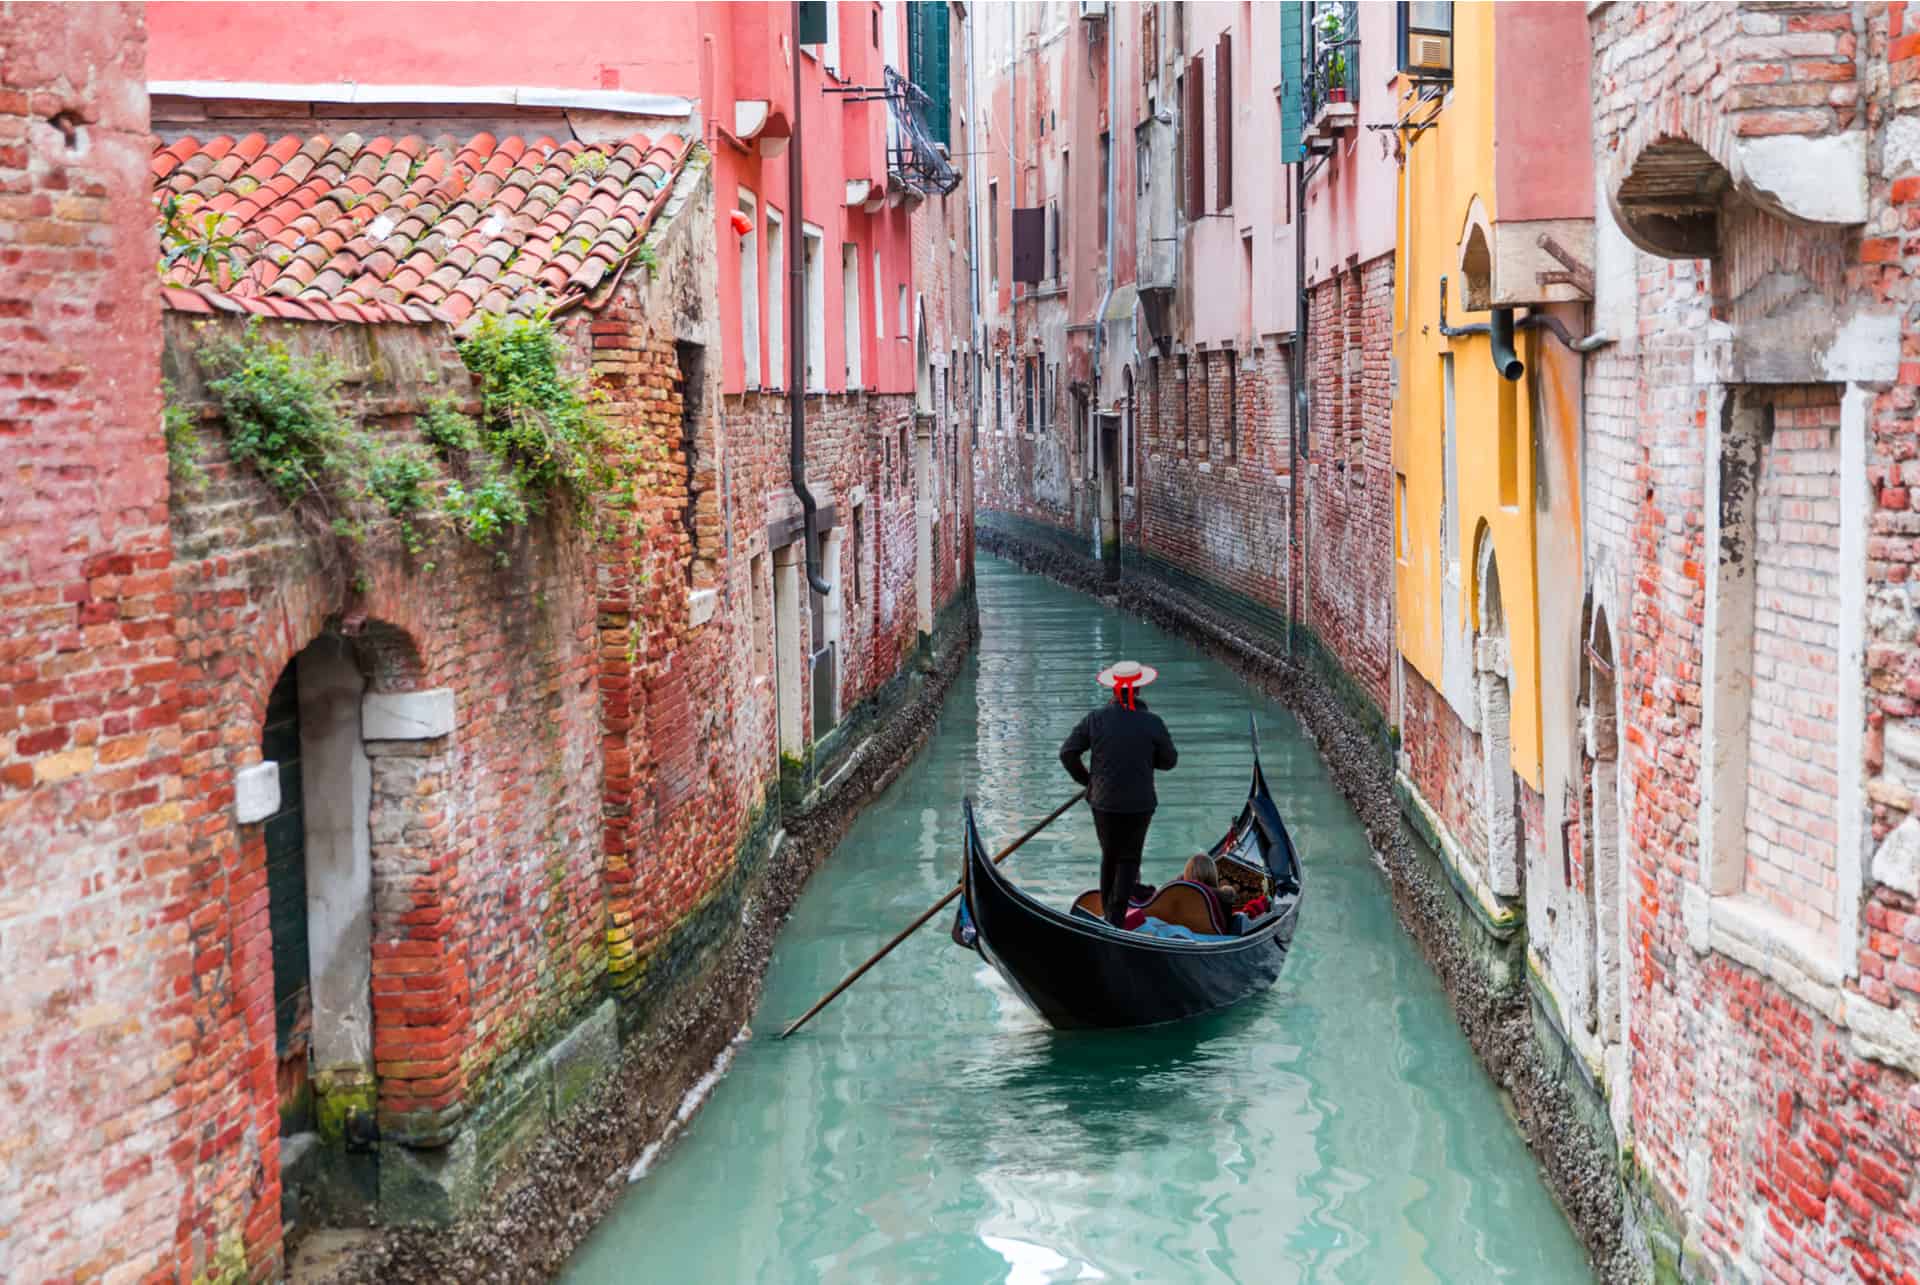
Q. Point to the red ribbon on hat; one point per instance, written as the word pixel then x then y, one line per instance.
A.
pixel 1123 685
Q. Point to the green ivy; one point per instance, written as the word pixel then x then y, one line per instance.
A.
pixel 283 413
pixel 183 442
pixel 537 435
pixel 535 419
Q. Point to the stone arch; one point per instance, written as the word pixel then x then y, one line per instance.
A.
pixel 352 740
pixel 1476 259
pixel 1498 805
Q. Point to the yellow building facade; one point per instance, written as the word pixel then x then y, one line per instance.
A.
pixel 1494 246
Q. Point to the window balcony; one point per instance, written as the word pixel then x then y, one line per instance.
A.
pixel 1332 100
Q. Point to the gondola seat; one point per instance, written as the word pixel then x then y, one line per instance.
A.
pixel 1189 905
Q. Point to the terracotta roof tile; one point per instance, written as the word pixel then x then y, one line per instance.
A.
pixel 411 230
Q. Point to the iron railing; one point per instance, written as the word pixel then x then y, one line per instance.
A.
pixel 914 156
pixel 1333 61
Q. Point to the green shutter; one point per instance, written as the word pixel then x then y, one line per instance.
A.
pixel 813 22
pixel 1293 69
pixel 929 54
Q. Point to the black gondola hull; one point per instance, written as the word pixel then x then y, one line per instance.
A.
pixel 1076 971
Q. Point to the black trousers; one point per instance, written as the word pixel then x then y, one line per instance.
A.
pixel 1122 837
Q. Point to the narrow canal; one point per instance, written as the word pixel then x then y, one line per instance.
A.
pixel 928 1127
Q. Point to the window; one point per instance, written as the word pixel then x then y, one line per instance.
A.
pixel 903 457
pixel 993 236
pixel 879 301
pixel 816 309
pixel 1401 539
pixel 750 292
pixel 1029 418
pixel 776 373
pixel 876 28
pixel 1053 226
pixel 1223 123
pixel 850 309
pixel 1205 392
pixel 1425 32
pixel 999 399
pixel 1128 428
pixel 1153 392
pixel 929 67
pixel 1066 189
pixel 1106 176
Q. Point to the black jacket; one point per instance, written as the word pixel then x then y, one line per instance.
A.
pixel 1127 745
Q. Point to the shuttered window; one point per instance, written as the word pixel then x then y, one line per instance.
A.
pixel 929 57
pixel 1223 122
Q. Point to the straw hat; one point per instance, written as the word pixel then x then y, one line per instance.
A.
pixel 1131 671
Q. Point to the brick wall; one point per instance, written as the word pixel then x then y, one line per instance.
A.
pixel 1792 777
pixel 1349 475
pixel 1769 1102
pixel 105 1170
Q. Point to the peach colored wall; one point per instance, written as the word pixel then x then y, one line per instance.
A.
pixel 1230 304
pixel 1351 203
pixel 1542 129
pixel 686 49
pixel 638 48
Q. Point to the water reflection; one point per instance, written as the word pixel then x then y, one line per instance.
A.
pixel 929 1127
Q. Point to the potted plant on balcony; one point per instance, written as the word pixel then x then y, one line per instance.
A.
pixel 1332 29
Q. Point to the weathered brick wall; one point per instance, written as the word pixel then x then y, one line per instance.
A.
pixel 1348 518
pixel 104 1173
pixel 1220 516
pixel 1771 1095
pixel 1792 779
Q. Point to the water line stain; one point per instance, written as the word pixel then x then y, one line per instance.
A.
pixel 927 1127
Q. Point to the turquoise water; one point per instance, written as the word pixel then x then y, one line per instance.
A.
pixel 927 1127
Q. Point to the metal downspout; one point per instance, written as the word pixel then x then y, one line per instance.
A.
pixel 1100 318
pixel 1298 437
pixel 797 330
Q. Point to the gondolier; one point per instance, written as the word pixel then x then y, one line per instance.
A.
pixel 1129 743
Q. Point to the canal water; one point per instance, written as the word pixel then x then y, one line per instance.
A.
pixel 928 1127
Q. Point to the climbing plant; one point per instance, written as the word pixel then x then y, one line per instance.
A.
pixel 538 435
pixel 183 442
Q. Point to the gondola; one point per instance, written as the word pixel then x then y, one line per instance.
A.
pixel 1076 970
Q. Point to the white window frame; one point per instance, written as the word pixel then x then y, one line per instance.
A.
pixel 814 247
pixel 879 300
pixel 905 333
pixel 750 298
pixel 776 294
pixel 850 310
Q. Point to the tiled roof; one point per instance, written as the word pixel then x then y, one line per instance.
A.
pixel 404 229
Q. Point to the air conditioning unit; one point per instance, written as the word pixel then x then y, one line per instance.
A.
pixel 1429 51
pixel 1093 10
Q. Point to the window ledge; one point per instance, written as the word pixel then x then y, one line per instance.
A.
pixel 1749 932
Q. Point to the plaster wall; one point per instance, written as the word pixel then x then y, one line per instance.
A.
pixel 1350 203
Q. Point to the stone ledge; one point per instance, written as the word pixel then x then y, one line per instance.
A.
pixel 1748 932
pixel 407 716
pixel 256 792
pixel 1500 919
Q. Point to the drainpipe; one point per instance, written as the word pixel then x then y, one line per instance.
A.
pixel 1106 297
pixel 797 332
pixel 1297 442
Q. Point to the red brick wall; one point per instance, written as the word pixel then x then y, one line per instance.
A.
pixel 105 1169
pixel 1348 515
pixel 1783 1150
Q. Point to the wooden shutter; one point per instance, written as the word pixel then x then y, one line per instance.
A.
pixel 929 57
pixel 1294 68
pixel 1193 124
pixel 1030 245
pixel 1223 122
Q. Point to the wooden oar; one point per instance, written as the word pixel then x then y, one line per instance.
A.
pixel 913 927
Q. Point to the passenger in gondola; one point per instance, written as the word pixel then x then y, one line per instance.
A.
pixel 1128 743
pixel 1205 871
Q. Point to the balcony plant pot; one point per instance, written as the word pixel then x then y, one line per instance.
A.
pixel 1337 95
